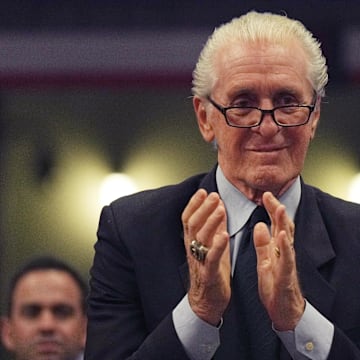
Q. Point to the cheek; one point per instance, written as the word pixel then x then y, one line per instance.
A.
pixel 304 139
pixel 21 335
pixel 74 329
pixel 230 138
pixel 299 149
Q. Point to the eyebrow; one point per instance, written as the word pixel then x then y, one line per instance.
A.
pixel 41 306
pixel 252 92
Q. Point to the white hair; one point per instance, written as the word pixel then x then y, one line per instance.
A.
pixel 254 27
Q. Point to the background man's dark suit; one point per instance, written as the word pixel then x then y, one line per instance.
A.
pixel 140 269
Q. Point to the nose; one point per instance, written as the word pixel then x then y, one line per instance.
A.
pixel 268 126
pixel 46 321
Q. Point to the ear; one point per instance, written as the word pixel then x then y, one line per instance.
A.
pixel 204 124
pixel 6 334
pixel 315 118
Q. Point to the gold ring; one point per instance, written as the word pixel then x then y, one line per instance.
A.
pixel 198 250
pixel 277 251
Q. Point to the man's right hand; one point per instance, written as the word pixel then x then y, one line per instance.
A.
pixel 204 220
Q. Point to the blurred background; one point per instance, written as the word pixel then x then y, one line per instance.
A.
pixel 97 87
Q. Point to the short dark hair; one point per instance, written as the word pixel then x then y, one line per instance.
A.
pixel 46 263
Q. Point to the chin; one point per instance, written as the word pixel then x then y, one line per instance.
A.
pixel 269 181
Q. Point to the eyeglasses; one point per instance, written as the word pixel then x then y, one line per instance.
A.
pixel 250 116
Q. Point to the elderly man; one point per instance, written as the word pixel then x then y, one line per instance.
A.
pixel 247 261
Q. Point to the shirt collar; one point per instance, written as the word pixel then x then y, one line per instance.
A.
pixel 235 200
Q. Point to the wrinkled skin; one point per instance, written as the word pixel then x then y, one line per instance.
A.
pixel 262 162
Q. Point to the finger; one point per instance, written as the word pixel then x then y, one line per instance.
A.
pixel 282 221
pixel 198 210
pixel 213 223
pixel 194 203
pixel 274 208
pixel 270 203
pixel 219 249
pixel 279 217
pixel 287 224
pixel 213 236
pixel 287 254
pixel 261 242
pixel 263 247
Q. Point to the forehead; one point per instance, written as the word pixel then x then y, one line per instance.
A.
pixel 46 287
pixel 262 66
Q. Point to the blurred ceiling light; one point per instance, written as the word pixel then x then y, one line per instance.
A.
pixel 114 186
pixel 354 189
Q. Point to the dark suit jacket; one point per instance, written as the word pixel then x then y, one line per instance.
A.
pixel 140 272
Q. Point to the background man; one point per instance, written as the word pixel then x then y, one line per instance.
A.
pixel 46 316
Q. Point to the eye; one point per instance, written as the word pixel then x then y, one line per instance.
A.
pixel 63 311
pixel 286 99
pixel 30 311
pixel 244 102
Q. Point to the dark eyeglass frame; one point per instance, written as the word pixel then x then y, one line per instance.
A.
pixel 223 110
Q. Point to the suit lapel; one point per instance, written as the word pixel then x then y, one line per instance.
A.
pixel 313 251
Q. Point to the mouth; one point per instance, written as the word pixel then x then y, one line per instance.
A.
pixel 267 148
pixel 48 347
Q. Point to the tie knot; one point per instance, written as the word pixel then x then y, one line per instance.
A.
pixel 259 214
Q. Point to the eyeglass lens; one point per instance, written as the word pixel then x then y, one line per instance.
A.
pixel 289 115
